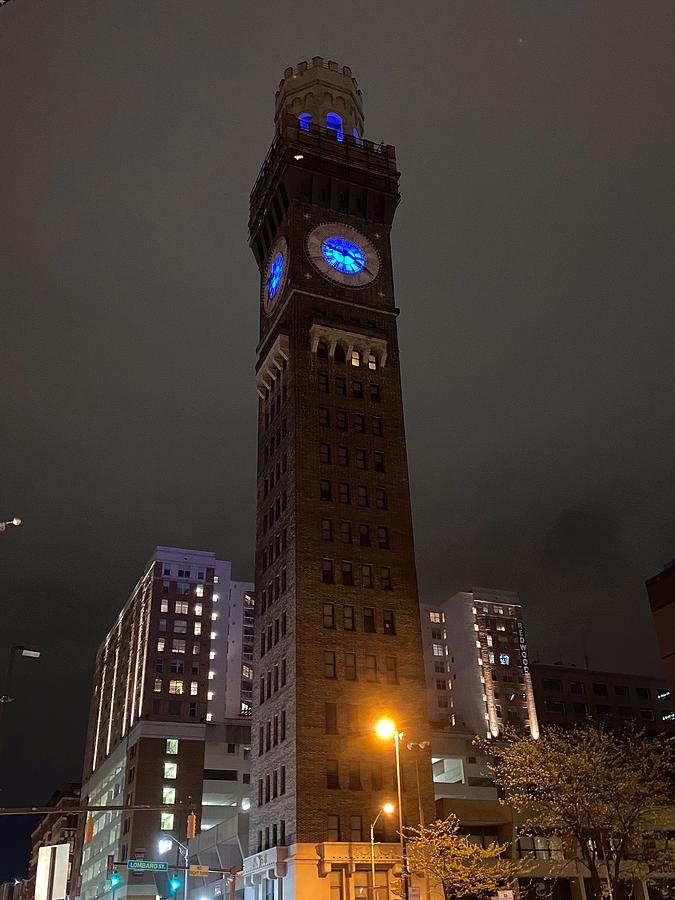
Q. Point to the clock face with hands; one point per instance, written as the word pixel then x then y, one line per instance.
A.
pixel 343 254
pixel 275 274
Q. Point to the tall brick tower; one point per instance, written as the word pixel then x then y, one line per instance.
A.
pixel 338 630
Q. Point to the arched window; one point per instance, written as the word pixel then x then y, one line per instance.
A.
pixel 356 358
pixel 334 123
pixel 372 361
pixel 356 136
pixel 305 120
pixel 322 350
pixel 339 355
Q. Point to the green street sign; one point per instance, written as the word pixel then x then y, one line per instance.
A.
pixel 147 865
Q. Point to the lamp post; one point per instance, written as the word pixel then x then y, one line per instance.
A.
pixel 387 808
pixel 386 729
pixel 164 845
pixel 15 650
pixel 15 521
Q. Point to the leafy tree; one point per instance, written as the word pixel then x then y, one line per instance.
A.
pixel 464 869
pixel 608 795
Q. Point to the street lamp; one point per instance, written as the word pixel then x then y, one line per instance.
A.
pixel 387 808
pixel 15 650
pixel 386 729
pixel 15 521
pixel 164 845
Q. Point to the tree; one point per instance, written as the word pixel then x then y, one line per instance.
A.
pixel 464 869
pixel 608 795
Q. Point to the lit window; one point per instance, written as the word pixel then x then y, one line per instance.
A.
pixel 161 643
pixel 158 686
pixel 181 607
pixel 214 634
pixel 175 686
pixel 164 605
pixel 305 120
pixel 166 821
pixel 198 609
pixel 247 671
pixel 172 746
pixel 194 687
pixel 372 361
pixel 356 358
pixel 438 649
pixel 196 649
pixel 212 675
pixel 491 657
pixel 210 695
pixel 434 617
pixel 170 770
pixel 199 590
pixel 209 717
pixel 334 123
pixel 178 646
pixel 198 627
pixel 168 795
pixel 504 659
pixel 214 616
pixel 212 654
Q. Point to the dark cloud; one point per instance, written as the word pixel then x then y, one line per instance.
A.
pixel 531 253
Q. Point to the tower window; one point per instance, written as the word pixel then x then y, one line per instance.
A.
pixel 334 123
pixel 305 120
pixel 322 350
pixel 339 355
pixel 372 361
pixel 356 358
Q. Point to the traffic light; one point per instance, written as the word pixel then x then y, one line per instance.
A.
pixel 174 884
pixel 191 826
pixel 115 880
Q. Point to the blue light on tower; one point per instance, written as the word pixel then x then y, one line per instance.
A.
pixel 305 120
pixel 334 123
pixel 276 271
pixel 343 256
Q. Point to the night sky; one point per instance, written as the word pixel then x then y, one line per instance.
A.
pixel 531 254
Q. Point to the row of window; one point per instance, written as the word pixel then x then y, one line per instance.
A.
pixel 273 478
pixel 270 636
pixel 369 619
pixel 275 549
pixel 176 667
pixel 344 530
pixel 272 837
pixel 344 494
pixel 178 645
pixel 357 389
pixel 554 685
pixel 368 667
pixel 346 569
pixel 182 573
pixel 175 708
pixel 359 457
pixel 359 421
pixel 181 607
pixel 601 709
pixel 273 681
pixel 274 590
pixel 176 686
pixel 180 626
pixel 272 733
pixel 356 357
pixel 273 785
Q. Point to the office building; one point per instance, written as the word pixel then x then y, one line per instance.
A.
pixel 161 684
pixel 338 631
pixel 477 665
pixel 567 695
pixel 661 592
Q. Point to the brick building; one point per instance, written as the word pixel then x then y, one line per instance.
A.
pixel 338 630
pixel 158 714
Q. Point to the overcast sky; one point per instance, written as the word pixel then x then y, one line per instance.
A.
pixel 532 252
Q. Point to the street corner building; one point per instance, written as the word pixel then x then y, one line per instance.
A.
pixel 338 637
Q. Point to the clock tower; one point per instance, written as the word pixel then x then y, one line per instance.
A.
pixel 338 642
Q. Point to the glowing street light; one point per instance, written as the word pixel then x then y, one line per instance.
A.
pixel 387 809
pixel 15 521
pixel 386 729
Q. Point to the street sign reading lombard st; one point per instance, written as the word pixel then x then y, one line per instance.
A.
pixel 147 865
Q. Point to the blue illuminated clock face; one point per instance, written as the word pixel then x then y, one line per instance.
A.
pixel 275 274
pixel 343 254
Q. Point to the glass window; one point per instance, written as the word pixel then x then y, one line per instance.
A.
pixel 180 626
pixel 158 686
pixel 331 718
pixel 333 834
pixel 347 573
pixel 355 829
pixel 305 120
pixel 198 628
pixel 366 576
pixel 198 609
pixel 377 426
pixel 348 618
pixel 389 622
pixel 385 578
pixel 194 688
pixel 168 795
pixel 350 666
pixel 369 620
pixel 329 664
pixel 341 418
pixel 170 770
pixel 383 537
pixel 334 123
pixel 328 615
pixel 343 492
pixel 356 358
pixel 372 361
pixel 175 686
pixel 177 646
pixel 371 667
pixel 161 643
pixel 181 608
pixel 327 529
pixel 380 498
pixel 172 746
pixel 437 650
pixel 343 456
pixel 327 571
pixel 164 605
pixel 392 674
pixel 325 490
pixel 504 659
pixel 332 774
pixel 166 821
pixel 324 453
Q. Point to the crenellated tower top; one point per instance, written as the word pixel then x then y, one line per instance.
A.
pixel 321 93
